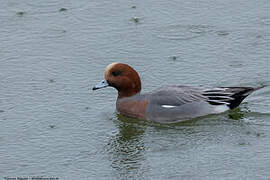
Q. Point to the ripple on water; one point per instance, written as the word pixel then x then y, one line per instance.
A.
pixel 41 3
pixel 222 33
pixel 261 39
pixel 236 64
pixel 265 21
pixel 257 118
pixel 53 32
pixel 88 12
pixel 53 6
pixel 183 32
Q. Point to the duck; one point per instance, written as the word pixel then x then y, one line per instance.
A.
pixel 171 103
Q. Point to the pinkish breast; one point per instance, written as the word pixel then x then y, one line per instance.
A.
pixel 134 109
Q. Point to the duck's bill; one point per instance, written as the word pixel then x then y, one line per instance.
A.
pixel 100 85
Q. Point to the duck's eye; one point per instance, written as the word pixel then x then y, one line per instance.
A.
pixel 116 73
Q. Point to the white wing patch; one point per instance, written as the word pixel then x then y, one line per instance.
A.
pixel 168 106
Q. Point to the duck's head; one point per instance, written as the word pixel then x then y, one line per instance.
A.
pixel 123 78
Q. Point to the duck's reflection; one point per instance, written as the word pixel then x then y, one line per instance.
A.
pixel 126 149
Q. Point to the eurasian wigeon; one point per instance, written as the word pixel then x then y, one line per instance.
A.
pixel 170 103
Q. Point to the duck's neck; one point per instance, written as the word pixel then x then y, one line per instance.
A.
pixel 126 94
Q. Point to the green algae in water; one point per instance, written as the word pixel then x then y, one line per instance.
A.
pixel 62 9
pixel 236 114
pixel 51 80
pixel 223 33
pixel 243 143
pixel 52 126
pixel 21 13
pixel 174 58
pixel 135 19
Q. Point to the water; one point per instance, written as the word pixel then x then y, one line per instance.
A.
pixel 53 52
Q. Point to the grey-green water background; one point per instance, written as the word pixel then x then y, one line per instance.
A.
pixel 53 52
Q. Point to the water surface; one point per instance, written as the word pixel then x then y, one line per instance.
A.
pixel 53 52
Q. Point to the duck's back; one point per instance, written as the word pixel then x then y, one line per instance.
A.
pixel 180 103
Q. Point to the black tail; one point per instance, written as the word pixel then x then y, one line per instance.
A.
pixel 231 96
pixel 239 94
